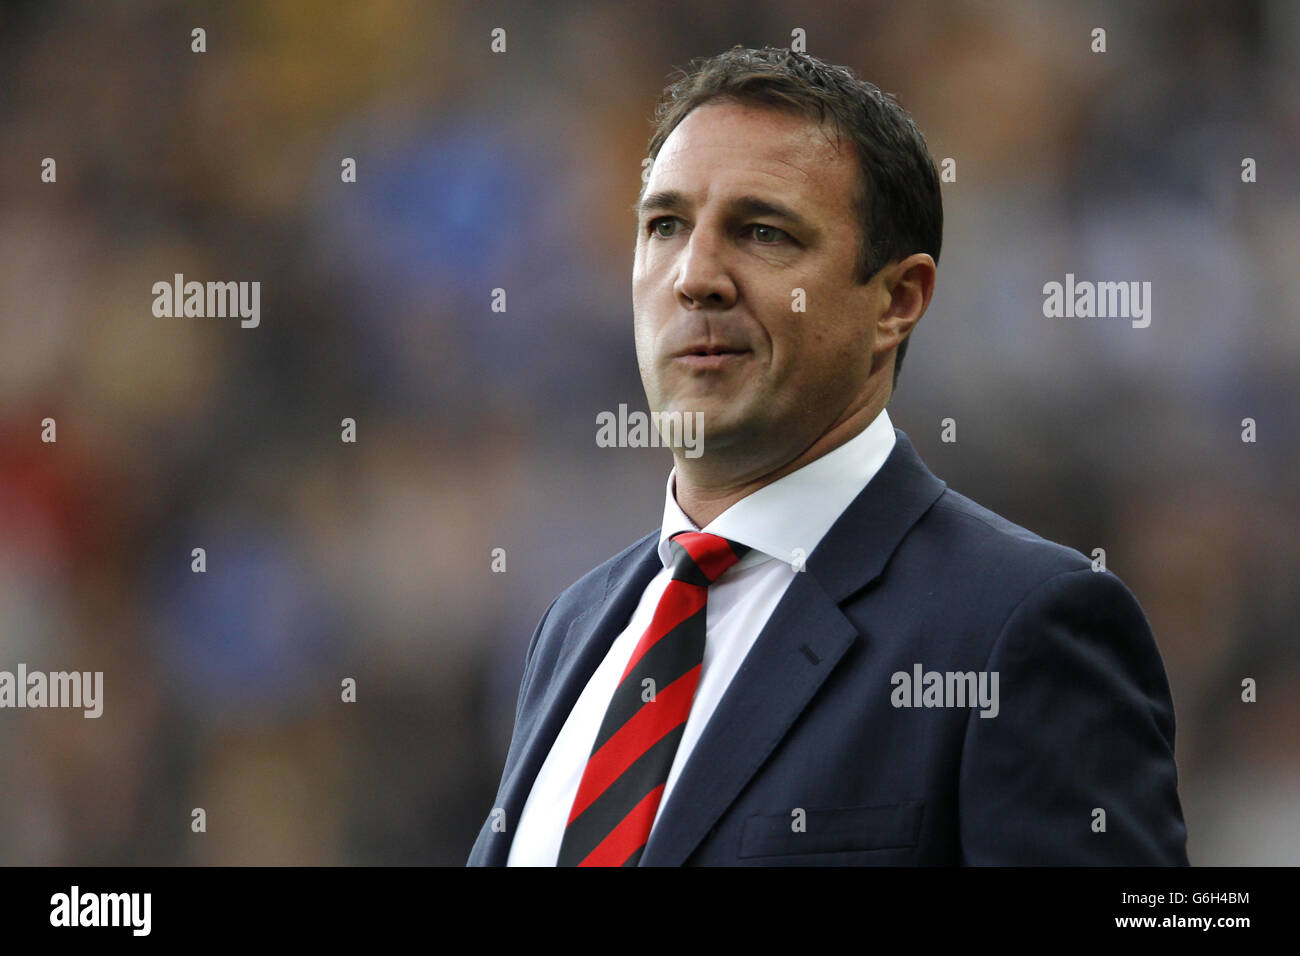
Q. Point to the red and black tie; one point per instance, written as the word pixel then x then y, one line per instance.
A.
pixel 628 767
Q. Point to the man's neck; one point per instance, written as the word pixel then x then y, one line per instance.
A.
pixel 702 499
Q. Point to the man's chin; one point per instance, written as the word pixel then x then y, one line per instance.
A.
pixel 725 420
pixel 720 431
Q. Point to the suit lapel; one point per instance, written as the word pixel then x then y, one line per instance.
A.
pixel 797 650
pixel 584 646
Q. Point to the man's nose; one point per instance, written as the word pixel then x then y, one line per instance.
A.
pixel 703 278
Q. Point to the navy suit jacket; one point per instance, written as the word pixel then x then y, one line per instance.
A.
pixel 807 760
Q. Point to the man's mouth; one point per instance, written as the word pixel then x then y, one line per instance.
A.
pixel 710 357
pixel 709 348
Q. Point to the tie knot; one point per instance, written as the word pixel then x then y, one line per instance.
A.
pixel 701 558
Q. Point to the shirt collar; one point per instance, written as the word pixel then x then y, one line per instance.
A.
pixel 788 518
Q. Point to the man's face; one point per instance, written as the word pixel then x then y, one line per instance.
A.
pixel 743 206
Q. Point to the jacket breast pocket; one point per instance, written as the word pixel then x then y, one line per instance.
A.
pixel 834 830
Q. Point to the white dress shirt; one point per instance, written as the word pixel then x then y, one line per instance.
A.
pixel 782 522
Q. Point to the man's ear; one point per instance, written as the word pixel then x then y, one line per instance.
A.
pixel 908 286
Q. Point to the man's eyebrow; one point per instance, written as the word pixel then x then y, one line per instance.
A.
pixel 671 199
pixel 654 202
pixel 756 206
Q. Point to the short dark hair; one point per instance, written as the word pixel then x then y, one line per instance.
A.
pixel 898 201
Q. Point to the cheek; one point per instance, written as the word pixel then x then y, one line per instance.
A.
pixel 791 333
pixel 645 261
pixel 810 344
pixel 646 331
pixel 641 340
pixel 645 282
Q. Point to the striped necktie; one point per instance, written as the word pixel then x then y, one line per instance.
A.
pixel 629 763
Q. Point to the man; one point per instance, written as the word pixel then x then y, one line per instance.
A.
pixel 823 656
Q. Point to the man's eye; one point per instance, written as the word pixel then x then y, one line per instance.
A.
pixel 656 223
pixel 768 235
pixel 765 235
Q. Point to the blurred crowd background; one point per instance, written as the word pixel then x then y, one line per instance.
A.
pixel 476 429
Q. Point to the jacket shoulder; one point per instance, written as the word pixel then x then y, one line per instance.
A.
pixel 974 537
pixel 592 587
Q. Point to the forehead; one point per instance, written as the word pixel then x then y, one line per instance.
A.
pixel 725 148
